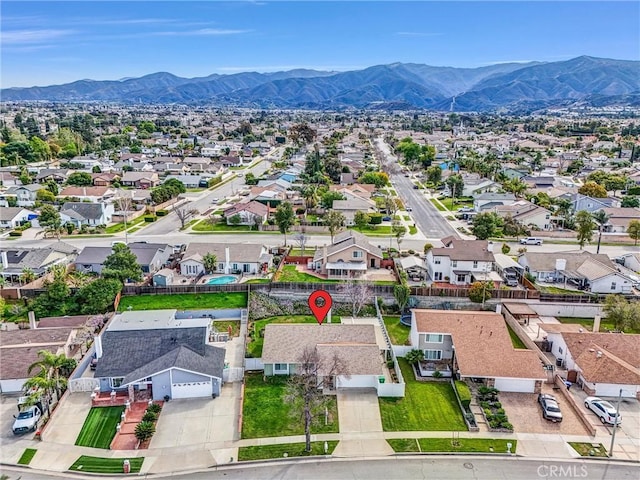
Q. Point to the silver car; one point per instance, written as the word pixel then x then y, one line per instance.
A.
pixel 606 412
pixel 550 408
pixel 27 420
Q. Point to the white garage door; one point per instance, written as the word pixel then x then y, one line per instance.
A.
pixel 191 389
pixel 613 390
pixel 515 385
pixel 356 381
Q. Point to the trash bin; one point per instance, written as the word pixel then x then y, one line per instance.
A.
pixel 558 362
pixel 381 379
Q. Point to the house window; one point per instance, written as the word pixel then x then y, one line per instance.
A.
pixel 462 278
pixel 454 263
pixel 245 268
pixel 437 276
pixel 434 338
pixel 281 367
pixel 613 285
pixel 436 261
pixel 433 354
pixel 560 350
pixel 221 266
pixel 234 266
pixel 475 264
pixel 357 254
pixel 115 382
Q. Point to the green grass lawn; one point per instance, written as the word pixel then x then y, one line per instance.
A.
pixel 27 456
pixel 265 413
pixel 413 230
pixel 587 323
pixel 375 230
pixel 119 227
pixel 308 252
pixel 290 274
pixel 515 339
pixel 105 465
pixel 407 218
pixel 428 406
pixel 223 326
pixel 584 449
pixel 134 229
pixel 206 226
pixel 398 333
pixel 99 427
pixel 449 205
pixel 258 280
pixel 184 301
pixel 484 445
pixel 400 445
pixel 438 205
pixel 558 290
pixel 277 451
pixel 254 347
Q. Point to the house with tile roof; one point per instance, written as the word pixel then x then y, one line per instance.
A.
pixel 619 218
pixel 474 345
pixel 350 255
pixel 600 363
pixel 350 355
pixel 577 269
pixel 527 214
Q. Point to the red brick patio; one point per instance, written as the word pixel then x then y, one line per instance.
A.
pixel 126 439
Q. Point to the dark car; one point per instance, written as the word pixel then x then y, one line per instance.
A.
pixel 386 219
pixel 550 408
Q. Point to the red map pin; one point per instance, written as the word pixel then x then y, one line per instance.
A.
pixel 320 303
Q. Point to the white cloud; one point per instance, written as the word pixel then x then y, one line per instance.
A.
pixel 19 37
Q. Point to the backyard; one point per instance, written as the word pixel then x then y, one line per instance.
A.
pixel 256 331
pixel 398 333
pixel 515 339
pixel 428 406
pixel 289 273
pixel 587 323
pixel 266 413
pixel 483 445
pixel 105 465
pixel 99 427
pixel 184 301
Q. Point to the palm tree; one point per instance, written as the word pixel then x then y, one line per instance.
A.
pixel 601 219
pixel 42 388
pixel 310 195
pixel 55 367
pixel 27 276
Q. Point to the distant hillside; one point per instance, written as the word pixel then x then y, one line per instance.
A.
pixel 511 86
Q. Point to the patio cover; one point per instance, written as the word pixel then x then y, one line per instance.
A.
pixel 518 309
pixel 505 261
pixel 487 276
pixel 346 266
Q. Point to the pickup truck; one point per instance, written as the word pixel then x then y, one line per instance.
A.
pixel 531 241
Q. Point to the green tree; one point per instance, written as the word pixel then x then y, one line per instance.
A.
pixel 122 265
pixel 144 431
pixel 455 184
pixel 379 179
pixel 80 179
pixel 434 174
pixel 334 221
pixel 44 195
pixel 634 230
pixel 505 249
pixel 630 202
pixel 414 356
pixel 285 219
pixel 401 293
pixel 427 247
pixel 592 189
pixel 585 226
pixel 398 230
pixel 601 219
pixel 302 134
pixel 41 149
pixel 328 197
pixel 98 296
pixel 486 225
pixel 49 218
pixel 55 366
pixel 479 292
pixel 361 219
pixel 623 313
pixel 210 262
pixel 27 276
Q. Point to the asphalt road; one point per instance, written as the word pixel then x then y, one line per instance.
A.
pixel 401 468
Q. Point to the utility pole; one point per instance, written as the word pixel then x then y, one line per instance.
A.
pixel 615 424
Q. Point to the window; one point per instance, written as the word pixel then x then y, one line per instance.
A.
pixel 454 263
pixel 462 278
pixel 475 264
pixel 357 254
pixel 234 266
pixel 434 338
pixel 613 285
pixel 436 261
pixel 438 276
pixel 433 354
pixel 281 367
pixel 221 266
pixel 245 267
pixel 560 350
pixel 116 382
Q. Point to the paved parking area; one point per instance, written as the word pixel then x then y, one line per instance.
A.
pixel 525 414
pixel 67 421
pixel 629 409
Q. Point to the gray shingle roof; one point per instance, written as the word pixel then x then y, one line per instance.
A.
pixel 126 351
pixel 83 209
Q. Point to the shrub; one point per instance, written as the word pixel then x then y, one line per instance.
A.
pixel 145 430
pixel 149 416
pixel 505 248
pixel 375 218
pixel 149 218
pixel 437 374
pixel 161 213
pixel 507 425
pixel 154 408
pixel 464 393
pixel 15 233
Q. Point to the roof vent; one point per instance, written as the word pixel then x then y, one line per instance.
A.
pixel 591 350
pixel 599 354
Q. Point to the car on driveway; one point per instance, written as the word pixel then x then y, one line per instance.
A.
pixel 27 420
pixel 606 412
pixel 550 408
pixel 386 218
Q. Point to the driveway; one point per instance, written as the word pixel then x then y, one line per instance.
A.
pixel 525 414
pixel 68 418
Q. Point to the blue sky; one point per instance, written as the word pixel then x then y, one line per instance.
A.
pixel 53 42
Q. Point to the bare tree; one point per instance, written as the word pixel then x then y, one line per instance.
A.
pixel 184 214
pixel 301 239
pixel 304 388
pixel 358 294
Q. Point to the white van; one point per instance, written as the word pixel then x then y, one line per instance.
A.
pixel 531 241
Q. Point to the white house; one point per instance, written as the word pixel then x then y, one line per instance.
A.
pixel 11 217
pixel 82 213
pixel 526 213
pixel 247 213
pixel 25 194
pixel 461 262
pixel 246 258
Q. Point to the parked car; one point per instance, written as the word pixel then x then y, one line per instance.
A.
pixel 408 209
pixel 27 420
pixel 550 408
pixel 510 279
pixel 386 218
pixel 606 412
pixel 465 209
pixel 531 241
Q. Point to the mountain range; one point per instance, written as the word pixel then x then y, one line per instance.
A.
pixel 507 87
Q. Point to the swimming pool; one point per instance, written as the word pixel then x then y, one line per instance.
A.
pixel 221 280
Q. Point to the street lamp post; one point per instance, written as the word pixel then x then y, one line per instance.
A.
pixel 615 424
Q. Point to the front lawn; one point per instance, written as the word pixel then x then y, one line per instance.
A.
pixel 587 323
pixel 27 456
pixel 206 226
pixel 586 449
pixel 515 339
pixel 290 274
pixel 398 333
pixel 266 413
pixel 99 427
pixel 438 205
pixel 184 301
pixel 484 445
pixel 375 230
pixel 277 451
pixel 256 333
pixel 105 465
pixel 459 203
pixel 427 406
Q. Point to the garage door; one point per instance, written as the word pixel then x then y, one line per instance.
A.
pixel 613 390
pixel 356 381
pixel 191 389
pixel 515 385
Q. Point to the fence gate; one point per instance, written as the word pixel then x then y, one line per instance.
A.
pixel 233 374
pixel 83 385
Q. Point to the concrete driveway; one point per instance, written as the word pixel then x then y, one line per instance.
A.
pixel 67 421
pixel 525 414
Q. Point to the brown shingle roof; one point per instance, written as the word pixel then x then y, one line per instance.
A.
pixel 43 336
pixel 15 362
pixel 482 344
pixel 68 321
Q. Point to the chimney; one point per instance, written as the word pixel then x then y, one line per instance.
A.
pixel 227 259
pixel 5 260
pixel 32 320
pixel 596 324
pixel 97 342
pixel 490 247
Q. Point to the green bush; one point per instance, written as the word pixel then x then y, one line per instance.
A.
pixel 375 218
pixel 464 393
pixel 162 213
pixel 149 416
pixel 15 233
pixel 154 408
pixel 145 430
pixel 149 218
